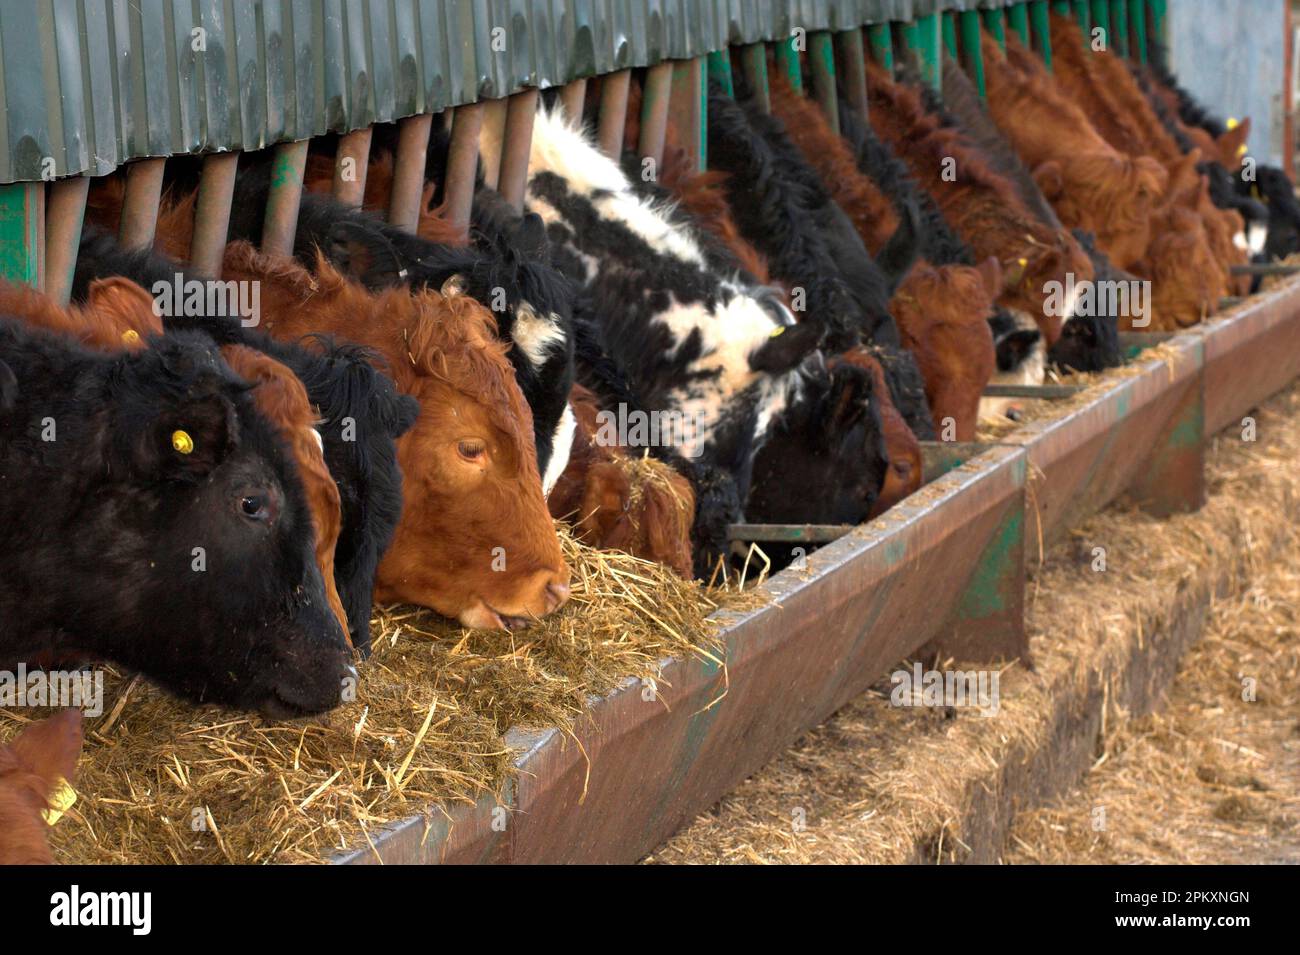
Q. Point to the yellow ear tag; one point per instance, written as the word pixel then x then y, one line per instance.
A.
pixel 777 331
pixel 1023 262
pixel 130 337
pixel 60 801
pixel 1241 150
pixel 1232 122
pixel 182 442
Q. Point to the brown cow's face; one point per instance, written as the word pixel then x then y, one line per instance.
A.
pixel 32 768
pixel 475 542
pixel 1185 277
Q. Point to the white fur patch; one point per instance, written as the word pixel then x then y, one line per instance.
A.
pixel 1256 236
pixel 561 446
pixel 320 442
pixel 535 335
pixel 1032 371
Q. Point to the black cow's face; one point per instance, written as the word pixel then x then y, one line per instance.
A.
pixel 208 543
pixel 1087 343
pixel 824 458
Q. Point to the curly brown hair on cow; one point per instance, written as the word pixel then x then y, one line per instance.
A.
pixel 34 766
pixel 1090 184
pixel 475 541
pixel 980 204
pixel 614 502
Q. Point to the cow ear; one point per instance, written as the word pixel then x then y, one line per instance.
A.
pixel 8 389
pixel 127 306
pixel 787 346
pixel 849 398
pixel 350 253
pixel 399 414
pixel 190 439
pixel 50 748
pixel 1049 179
pixel 990 271
pixel 1232 144
pixel 530 237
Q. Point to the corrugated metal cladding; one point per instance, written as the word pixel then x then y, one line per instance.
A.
pixel 89 84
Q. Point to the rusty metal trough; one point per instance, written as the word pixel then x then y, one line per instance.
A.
pixel 941 573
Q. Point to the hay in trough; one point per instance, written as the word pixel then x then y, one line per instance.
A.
pixel 163 781
pixel 1219 780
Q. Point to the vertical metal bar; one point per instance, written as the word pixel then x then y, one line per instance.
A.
pixel 754 60
pixel 950 33
pixel 654 111
pixel 1018 18
pixel 140 203
pixel 720 70
pixel 880 40
pixel 923 37
pixel 492 137
pixel 787 61
pixel 1137 45
pixel 573 96
pixel 22 232
pixel 65 210
pixel 280 223
pixel 1158 27
pixel 850 57
pixel 821 63
pixel 408 171
pixel 971 56
pixel 516 147
pixel 350 164
pixel 1119 26
pixel 1083 14
pixel 1100 11
pixel 996 23
pixel 613 112
pixel 462 163
pixel 1064 7
pixel 212 214
pixel 1040 25
pixel 686 106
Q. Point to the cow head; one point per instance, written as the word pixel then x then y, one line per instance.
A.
pixel 201 553
pixel 1107 194
pixel 823 461
pixel 33 766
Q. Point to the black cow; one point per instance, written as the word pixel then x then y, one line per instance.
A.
pixel 114 471
pixel 363 416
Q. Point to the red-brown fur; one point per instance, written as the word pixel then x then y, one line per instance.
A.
pixel 903 450
pixel 941 312
pixel 981 205
pixel 119 314
pixel 32 765
pixel 469 465
pixel 1090 184
pixel 595 494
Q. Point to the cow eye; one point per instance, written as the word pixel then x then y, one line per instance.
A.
pixel 255 507
pixel 471 450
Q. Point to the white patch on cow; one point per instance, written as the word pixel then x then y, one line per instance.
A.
pixel 1240 241
pixel 320 442
pixel 1032 371
pixel 1256 236
pixel 1071 302
pixel 561 447
pixel 535 335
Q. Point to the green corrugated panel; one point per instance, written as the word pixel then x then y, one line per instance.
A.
pixel 93 84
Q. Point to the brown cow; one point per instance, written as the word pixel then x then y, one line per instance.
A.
pixel 34 766
pixel 941 311
pixel 475 540
pixel 1089 183
pixel 120 314
pixel 982 206
pixel 642 507
pixel 906 469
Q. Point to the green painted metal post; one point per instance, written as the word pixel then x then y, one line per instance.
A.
pixel 720 70
pixel 1018 18
pixel 1041 26
pixel 950 33
pixel 65 210
pixel 1159 17
pixel 996 23
pixel 688 104
pixel 880 39
pixel 1083 14
pixel 1100 10
pixel 787 61
pixel 1064 7
pixel 821 63
pixel 923 36
pixel 850 60
pixel 1119 25
pixel 22 232
pixel 971 57
pixel 753 59
pixel 1137 26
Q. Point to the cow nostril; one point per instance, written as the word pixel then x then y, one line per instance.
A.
pixel 558 593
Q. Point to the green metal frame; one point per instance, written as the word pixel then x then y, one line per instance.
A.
pixel 22 221
pixel 821 64
pixel 1119 26
pixel 996 23
pixel 787 60
pixel 924 36
pixel 754 62
pixel 1100 11
pixel 1042 30
pixel 720 70
pixel 1018 20
pixel 950 33
pixel 1083 16
pixel 880 43
pixel 1137 25
pixel 971 57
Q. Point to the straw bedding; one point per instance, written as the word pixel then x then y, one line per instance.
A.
pixel 1209 777
pixel 163 781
